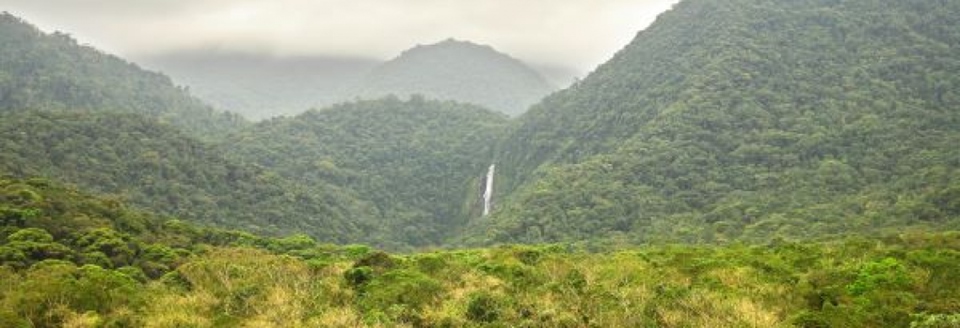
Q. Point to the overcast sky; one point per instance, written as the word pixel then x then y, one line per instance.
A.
pixel 579 34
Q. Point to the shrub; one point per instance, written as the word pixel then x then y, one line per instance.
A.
pixel 483 307
pixel 887 274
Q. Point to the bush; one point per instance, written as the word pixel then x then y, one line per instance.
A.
pixel 885 274
pixel 483 307
pixel 410 289
pixel 936 321
pixel 358 276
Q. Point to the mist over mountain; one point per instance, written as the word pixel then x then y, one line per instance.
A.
pixel 51 71
pixel 683 135
pixel 740 163
pixel 460 71
pixel 262 86
pixel 559 76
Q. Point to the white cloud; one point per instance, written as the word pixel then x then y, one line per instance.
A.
pixel 573 33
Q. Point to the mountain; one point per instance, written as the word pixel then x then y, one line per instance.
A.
pixel 262 86
pixel 746 120
pixel 741 129
pixel 157 167
pixel 460 71
pixel 419 161
pixel 51 71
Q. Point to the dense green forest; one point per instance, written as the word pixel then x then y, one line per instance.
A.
pixel 419 161
pixel 396 174
pixel 799 119
pixel 741 163
pixel 457 70
pixel 157 167
pixel 72 260
pixel 52 71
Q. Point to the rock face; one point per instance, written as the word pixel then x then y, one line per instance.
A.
pixel 460 71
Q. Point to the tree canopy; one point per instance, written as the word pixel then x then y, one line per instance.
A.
pixel 40 71
pixel 745 120
pixel 419 161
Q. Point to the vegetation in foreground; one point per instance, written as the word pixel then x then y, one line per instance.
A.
pixel 77 261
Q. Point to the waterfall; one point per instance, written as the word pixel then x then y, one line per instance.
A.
pixel 488 191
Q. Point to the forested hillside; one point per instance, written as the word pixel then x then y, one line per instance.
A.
pixel 41 71
pixel 157 167
pixel 71 260
pixel 747 120
pixel 420 161
pixel 460 71
pixel 741 163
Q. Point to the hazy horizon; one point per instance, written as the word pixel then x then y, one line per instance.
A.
pixel 566 34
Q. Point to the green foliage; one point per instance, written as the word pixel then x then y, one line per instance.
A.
pixel 745 120
pixel 837 119
pixel 402 292
pixel 32 235
pixel 887 273
pixel 88 230
pixel 358 276
pixel 36 251
pixel 415 160
pixel 483 307
pixel 159 168
pixel 12 256
pixel 53 72
pixel 101 290
pixel 292 243
pixel 936 321
pixel 377 259
pixel 178 274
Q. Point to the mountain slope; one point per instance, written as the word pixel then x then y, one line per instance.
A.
pixel 745 120
pixel 159 168
pixel 460 71
pixel 259 86
pixel 419 161
pixel 51 71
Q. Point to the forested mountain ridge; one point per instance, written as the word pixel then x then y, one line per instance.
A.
pixel 397 174
pixel 420 161
pixel 51 71
pixel 457 70
pixel 744 120
pixel 744 47
pixel 742 163
pixel 737 120
pixel 159 168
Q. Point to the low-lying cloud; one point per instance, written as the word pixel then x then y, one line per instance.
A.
pixel 571 33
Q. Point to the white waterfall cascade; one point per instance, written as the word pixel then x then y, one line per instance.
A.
pixel 488 191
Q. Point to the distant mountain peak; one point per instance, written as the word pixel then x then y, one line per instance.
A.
pixel 451 45
pixel 461 71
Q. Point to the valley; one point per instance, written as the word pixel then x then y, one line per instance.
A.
pixel 739 163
